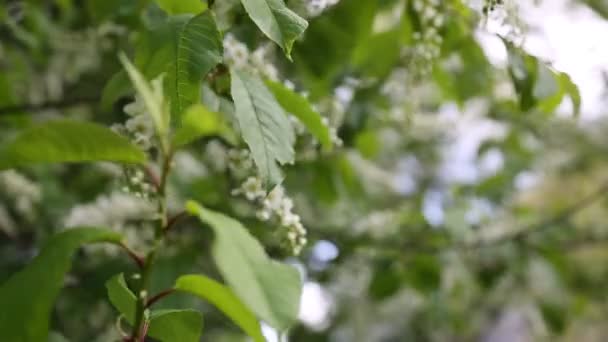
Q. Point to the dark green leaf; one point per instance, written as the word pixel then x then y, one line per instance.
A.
pixel 265 127
pixel 182 6
pixel 198 48
pixel 277 21
pixel 68 141
pixel 117 86
pixel 27 297
pixel 224 299
pixel 301 108
pixel 269 288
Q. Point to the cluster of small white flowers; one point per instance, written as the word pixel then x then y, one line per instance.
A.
pixel 491 5
pixel 135 183
pixel 427 40
pixel 21 190
pixel 333 132
pixel 237 55
pixel 314 8
pixel 139 127
pixel 275 206
pixel 117 211
pixel 240 163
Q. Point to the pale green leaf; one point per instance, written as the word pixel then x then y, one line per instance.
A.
pixel 198 48
pixel 224 299
pixel 176 325
pixel 152 96
pixel 68 141
pixel 278 22
pixel 269 288
pixel 198 122
pixel 165 325
pixel 27 297
pixel 573 92
pixel 264 125
pixel 299 107
pixel 121 297
pixel 182 6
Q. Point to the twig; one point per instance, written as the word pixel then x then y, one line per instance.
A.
pixel 174 219
pixel 136 258
pixel 158 297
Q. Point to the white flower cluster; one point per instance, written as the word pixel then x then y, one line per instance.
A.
pixel 491 5
pixel 314 8
pixel 21 190
pixel 275 206
pixel 117 211
pixel 139 127
pixel 427 40
pixel 137 184
pixel 237 54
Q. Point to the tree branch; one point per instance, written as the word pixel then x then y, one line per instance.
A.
pixel 60 104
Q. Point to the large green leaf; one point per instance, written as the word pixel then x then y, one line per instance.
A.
pixel 176 325
pixel 182 6
pixel 264 125
pixel 224 299
pixel 278 22
pixel 301 108
pixel 27 297
pixel 165 325
pixel 68 141
pixel 198 48
pixel 269 288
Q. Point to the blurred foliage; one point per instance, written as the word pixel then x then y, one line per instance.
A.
pixel 515 250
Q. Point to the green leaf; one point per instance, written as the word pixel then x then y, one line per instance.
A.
pixel 278 22
pixel 116 87
pixel 176 325
pixel 57 337
pixel 121 297
pixel 27 297
pixel 301 108
pixel 198 48
pixel 224 299
pixel 182 6
pixel 165 325
pixel 269 288
pixel 68 141
pixel 264 126
pixel 152 96
pixel 199 122
pixel 573 92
